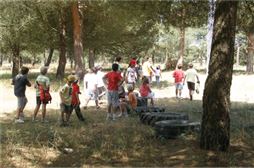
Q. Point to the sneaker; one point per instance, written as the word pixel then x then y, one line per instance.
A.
pixel 34 120
pixel 109 117
pixel 19 121
pixel 44 121
pixel 22 116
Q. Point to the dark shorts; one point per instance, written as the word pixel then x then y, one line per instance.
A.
pixel 38 101
pixel 65 108
pixel 191 85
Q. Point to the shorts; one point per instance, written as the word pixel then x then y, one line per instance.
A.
pixel 179 86
pixel 191 85
pixel 38 101
pixel 65 108
pixel 22 102
pixel 113 98
pixel 92 94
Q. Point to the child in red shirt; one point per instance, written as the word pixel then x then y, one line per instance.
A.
pixel 113 80
pixel 178 74
pixel 75 102
pixel 145 90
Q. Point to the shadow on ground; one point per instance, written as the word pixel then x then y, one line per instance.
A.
pixel 125 142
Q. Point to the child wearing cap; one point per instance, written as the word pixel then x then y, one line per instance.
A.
pixel 66 99
pixel 75 102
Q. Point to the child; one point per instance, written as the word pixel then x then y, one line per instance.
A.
pixel 113 80
pixel 43 81
pixel 158 75
pixel 75 102
pixel 178 74
pixel 20 82
pixel 132 98
pixel 66 99
pixel 131 76
pixel 91 87
pixel 145 90
pixel 101 87
pixel 122 101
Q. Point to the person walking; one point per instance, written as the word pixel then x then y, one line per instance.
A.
pixel 178 74
pixel 190 76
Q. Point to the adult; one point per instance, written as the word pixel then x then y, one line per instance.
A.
pixel 101 86
pixel 190 76
pixel 147 69
pixel 43 81
pixel 91 87
pixel 20 82
pixel 178 74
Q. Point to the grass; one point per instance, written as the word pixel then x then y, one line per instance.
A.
pixel 126 142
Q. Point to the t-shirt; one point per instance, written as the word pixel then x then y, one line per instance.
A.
pixel 131 75
pixel 113 79
pixel 191 75
pixel 42 80
pixel 132 99
pixel 20 82
pixel 92 80
pixel 157 72
pixel 178 75
pixel 99 78
pixel 144 90
pixel 66 92
pixel 146 68
pixel 75 92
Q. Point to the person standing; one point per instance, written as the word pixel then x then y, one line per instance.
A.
pixel 91 87
pixel 147 69
pixel 113 80
pixel 178 74
pixel 145 90
pixel 101 87
pixel 131 76
pixel 75 101
pixel 42 81
pixel 66 100
pixel 190 76
pixel 20 82
pixel 158 75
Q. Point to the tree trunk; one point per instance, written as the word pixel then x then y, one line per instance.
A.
pixel 238 55
pixel 51 51
pixel 215 127
pixel 15 60
pixel 182 38
pixel 91 58
pixel 250 53
pixel 78 47
pixel 1 59
pixel 62 47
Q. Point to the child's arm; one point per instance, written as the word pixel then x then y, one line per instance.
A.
pixel 105 81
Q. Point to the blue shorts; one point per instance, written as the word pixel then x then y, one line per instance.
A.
pixel 179 86
pixel 113 98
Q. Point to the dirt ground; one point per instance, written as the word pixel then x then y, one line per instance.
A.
pixel 242 90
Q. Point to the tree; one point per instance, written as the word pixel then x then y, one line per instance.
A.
pixel 78 47
pixel 215 127
pixel 245 20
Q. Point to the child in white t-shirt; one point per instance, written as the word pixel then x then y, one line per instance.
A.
pixel 158 75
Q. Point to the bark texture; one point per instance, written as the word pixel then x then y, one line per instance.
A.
pixel 215 127
pixel 78 47
pixel 62 47
pixel 16 60
pixel 91 58
pixel 51 51
pixel 250 51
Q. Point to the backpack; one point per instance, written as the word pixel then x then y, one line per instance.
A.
pixel 45 96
